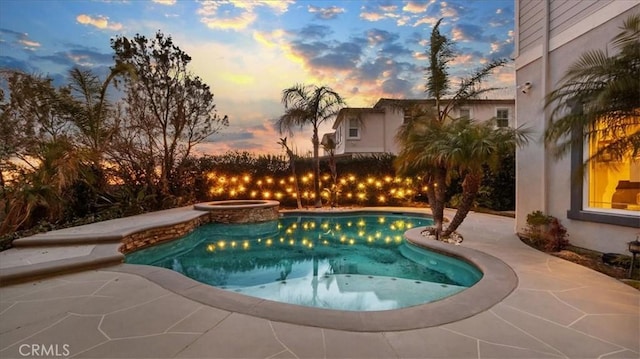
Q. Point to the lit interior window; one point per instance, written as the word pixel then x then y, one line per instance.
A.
pixel 613 182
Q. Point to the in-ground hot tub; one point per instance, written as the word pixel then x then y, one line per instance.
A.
pixel 240 210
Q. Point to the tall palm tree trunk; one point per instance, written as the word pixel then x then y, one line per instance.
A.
pixel 316 169
pixel 436 195
pixel 470 187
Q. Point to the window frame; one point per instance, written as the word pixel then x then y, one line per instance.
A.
pixel 579 192
pixel 498 119
pixel 355 126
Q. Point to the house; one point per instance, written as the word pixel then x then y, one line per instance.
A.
pixel 601 209
pixel 368 131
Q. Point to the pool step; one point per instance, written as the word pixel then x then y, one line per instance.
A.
pixel 47 261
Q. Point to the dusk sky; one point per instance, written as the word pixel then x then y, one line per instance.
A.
pixel 249 51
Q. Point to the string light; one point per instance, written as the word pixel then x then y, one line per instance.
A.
pixel 346 188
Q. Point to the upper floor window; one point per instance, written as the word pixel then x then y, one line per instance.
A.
pixel 502 117
pixel 354 129
pixel 406 116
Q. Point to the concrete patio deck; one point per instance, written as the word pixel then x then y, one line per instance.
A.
pixel 558 309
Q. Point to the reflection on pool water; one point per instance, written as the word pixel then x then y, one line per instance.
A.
pixel 350 262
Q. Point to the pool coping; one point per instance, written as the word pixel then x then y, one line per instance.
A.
pixel 235 204
pixel 498 281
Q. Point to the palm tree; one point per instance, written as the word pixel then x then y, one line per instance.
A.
pixel 91 112
pixel 422 150
pixel 600 95
pixel 469 145
pixel 42 194
pixel 292 165
pixel 310 105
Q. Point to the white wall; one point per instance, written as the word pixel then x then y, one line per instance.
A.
pixel 543 182
pixel 372 136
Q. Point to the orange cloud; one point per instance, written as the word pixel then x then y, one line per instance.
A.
pixel 426 20
pixel 415 8
pixel 101 22
pixel 371 16
pixel 212 18
pixel 165 2
pixel 457 34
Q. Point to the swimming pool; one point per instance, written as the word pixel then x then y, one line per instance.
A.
pixel 350 262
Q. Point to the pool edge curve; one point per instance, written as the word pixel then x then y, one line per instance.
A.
pixel 498 281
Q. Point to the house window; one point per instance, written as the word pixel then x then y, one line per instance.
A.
pixel 502 117
pixel 610 190
pixel 406 116
pixel 613 182
pixel 465 113
pixel 354 129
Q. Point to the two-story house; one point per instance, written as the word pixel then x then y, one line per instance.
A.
pixel 595 207
pixel 372 130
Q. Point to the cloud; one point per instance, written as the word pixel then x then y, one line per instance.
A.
pixel 416 7
pixel 101 22
pixel 227 136
pixel 502 17
pixel 245 138
pixel 236 14
pixel 470 32
pixel 28 44
pixel 8 62
pixel 396 86
pixel 78 57
pixel 503 49
pixel 377 36
pixel 165 2
pixel 327 13
pixel 371 16
pixel 315 32
pixel 426 20
pixel 334 55
pixel 449 10
pixel 21 39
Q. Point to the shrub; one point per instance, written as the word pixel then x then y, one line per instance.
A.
pixel 546 232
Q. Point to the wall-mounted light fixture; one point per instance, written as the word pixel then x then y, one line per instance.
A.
pixel 526 87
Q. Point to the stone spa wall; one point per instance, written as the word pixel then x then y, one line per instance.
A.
pixel 227 213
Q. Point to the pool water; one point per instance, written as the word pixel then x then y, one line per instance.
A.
pixel 349 262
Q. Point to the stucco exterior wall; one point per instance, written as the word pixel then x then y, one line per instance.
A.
pixel 487 111
pixel 372 136
pixel 542 181
pixel 530 161
pixel 378 129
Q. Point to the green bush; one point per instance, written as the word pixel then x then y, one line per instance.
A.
pixel 546 232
